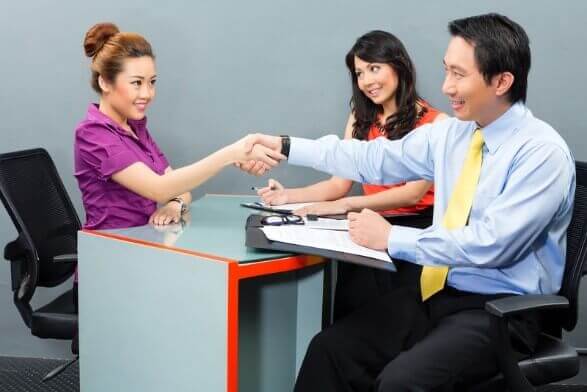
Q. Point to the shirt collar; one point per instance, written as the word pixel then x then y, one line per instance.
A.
pixel 94 114
pixel 497 132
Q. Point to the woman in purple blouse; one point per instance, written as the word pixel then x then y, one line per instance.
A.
pixel 122 174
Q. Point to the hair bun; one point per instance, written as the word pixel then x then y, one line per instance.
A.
pixel 97 36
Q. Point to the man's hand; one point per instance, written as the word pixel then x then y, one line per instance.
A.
pixel 256 145
pixel 369 229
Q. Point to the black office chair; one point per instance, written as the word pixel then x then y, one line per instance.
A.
pixel 45 252
pixel 554 360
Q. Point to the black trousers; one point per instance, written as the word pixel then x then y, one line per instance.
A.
pixel 398 343
pixel 358 285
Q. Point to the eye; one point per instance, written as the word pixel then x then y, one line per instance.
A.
pixel 153 82
pixel 458 75
pixel 136 83
pixel 358 74
pixel 375 68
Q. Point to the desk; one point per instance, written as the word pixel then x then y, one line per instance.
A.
pixel 194 310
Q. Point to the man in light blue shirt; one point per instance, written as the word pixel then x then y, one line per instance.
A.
pixel 513 243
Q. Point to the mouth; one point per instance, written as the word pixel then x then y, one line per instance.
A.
pixel 141 106
pixel 457 103
pixel 374 92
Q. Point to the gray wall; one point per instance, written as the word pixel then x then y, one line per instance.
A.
pixel 226 68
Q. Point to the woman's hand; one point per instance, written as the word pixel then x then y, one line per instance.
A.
pixel 369 229
pixel 325 208
pixel 257 148
pixel 169 213
pixel 273 194
pixel 256 168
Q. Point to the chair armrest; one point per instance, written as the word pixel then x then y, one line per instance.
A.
pixel 501 310
pixel 67 258
pixel 14 250
pixel 509 306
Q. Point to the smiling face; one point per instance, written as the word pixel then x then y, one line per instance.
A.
pixel 132 90
pixel 471 97
pixel 378 81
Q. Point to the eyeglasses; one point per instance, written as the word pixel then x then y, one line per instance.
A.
pixel 278 220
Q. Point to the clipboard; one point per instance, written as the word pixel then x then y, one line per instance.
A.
pixel 276 210
pixel 258 206
pixel 255 238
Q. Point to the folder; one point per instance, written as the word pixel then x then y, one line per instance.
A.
pixel 255 238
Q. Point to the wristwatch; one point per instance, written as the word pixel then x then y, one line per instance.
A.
pixel 182 206
pixel 285 144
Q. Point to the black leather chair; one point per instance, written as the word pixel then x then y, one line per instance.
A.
pixel 554 360
pixel 45 252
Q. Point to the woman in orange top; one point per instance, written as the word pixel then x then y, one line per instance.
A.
pixel 384 103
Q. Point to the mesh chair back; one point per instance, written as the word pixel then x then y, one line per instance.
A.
pixel 576 249
pixel 36 200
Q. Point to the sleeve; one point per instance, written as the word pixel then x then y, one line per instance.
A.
pixel 380 161
pixel 536 193
pixel 103 151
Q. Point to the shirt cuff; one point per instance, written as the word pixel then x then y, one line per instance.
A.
pixel 303 152
pixel 401 243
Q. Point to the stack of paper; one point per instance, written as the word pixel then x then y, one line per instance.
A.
pixel 336 240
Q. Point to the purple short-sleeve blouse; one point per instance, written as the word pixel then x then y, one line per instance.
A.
pixel 103 148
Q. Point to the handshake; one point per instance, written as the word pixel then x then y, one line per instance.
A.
pixel 257 153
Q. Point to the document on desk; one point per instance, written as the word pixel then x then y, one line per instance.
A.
pixel 336 240
pixel 327 224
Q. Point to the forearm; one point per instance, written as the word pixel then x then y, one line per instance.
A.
pixel 180 181
pixel 162 188
pixel 380 161
pixel 185 197
pixel 402 196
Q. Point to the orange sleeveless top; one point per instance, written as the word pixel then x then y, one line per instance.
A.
pixel 428 199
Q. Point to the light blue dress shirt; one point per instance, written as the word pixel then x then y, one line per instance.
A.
pixel 515 240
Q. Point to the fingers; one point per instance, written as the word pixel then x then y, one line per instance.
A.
pixel 266 155
pixel 246 166
pixel 275 185
pixel 269 197
pixel 160 219
pixel 274 198
pixel 256 168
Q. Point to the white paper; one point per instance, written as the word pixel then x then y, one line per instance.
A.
pixel 335 240
pixel 327 224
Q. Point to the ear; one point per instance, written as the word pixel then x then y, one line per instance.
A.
pixel 104 85
pixel 503 82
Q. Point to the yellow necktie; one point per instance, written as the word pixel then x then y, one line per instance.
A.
pixel 457 212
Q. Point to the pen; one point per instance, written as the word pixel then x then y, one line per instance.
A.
pixel 256 188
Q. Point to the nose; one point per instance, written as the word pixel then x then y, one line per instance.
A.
pixel 146 91
pixel 367 79
pixel 448 87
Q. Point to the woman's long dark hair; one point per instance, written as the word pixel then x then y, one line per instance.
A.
pixel 383 47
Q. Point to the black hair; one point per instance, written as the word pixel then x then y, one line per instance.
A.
pixel 501 45
pixel 383 47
